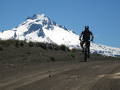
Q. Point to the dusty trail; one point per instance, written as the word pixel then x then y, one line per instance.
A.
pixel 92 75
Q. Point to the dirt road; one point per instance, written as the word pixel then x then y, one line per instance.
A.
pixel 92 75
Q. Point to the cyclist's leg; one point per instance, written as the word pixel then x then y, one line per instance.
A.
pixel 88 43
pixel 85 51
pixel 81 44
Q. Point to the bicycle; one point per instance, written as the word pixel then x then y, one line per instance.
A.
pixel 86 50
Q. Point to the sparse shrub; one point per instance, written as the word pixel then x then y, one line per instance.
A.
pixel 43 45
pixel 50 46
pixel 10 41
pixel 4 43
pixel 47 46
pixel 31 44
pixel 73 50
pixel 52 59
pixel 37 44
pixel 64 48
pixel 72 55
pixel 17 43
pixel 96 54
pixel 22 43
pixel 56 47
pixel 1 48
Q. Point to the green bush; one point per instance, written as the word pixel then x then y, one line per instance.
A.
pixel 72 55
pixel 64 48
pixel 73 50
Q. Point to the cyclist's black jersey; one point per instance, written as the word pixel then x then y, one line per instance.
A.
pixel 86 35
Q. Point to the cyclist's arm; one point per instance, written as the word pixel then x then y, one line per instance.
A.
pixel 92 36
pixel 80 37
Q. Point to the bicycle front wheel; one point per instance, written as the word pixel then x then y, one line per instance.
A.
pixel 85 54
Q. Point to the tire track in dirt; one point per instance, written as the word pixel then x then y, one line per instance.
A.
pixel 80 77
pixel 110 81
pixel 76 76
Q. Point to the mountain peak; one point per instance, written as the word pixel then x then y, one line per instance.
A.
pixel 42 18
pixel 39 16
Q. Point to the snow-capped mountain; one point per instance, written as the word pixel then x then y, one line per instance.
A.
pixel 41 28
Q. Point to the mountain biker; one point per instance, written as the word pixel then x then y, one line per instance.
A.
pixel 86 36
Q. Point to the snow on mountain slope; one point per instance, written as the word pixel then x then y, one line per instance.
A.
pixel 105 50
pixel 41 28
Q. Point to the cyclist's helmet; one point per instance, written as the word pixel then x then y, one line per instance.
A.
pixel 86 27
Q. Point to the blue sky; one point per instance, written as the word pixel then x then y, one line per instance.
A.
pixel 103 16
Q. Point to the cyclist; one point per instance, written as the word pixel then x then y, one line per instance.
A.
pixel 86 36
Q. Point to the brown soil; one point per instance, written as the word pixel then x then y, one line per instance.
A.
pixel 91 75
